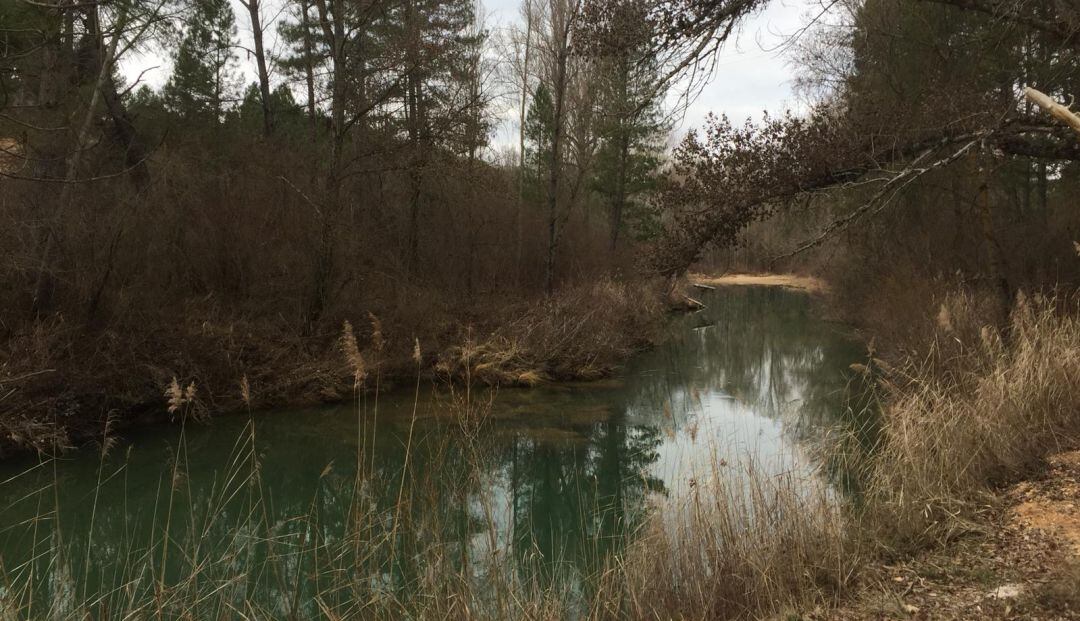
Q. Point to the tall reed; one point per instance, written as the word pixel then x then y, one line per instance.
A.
pixel 982 408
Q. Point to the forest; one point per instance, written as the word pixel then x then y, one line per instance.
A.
pixel 408 189
pixel 213 229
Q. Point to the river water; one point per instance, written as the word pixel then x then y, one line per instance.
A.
pixel 267 513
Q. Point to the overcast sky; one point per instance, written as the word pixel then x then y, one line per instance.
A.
pixel 752 75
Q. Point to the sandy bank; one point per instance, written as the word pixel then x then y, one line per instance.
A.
pixel 791 281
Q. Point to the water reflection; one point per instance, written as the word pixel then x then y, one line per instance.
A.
pixel 270 510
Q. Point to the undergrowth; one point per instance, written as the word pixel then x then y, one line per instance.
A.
pixel 59 377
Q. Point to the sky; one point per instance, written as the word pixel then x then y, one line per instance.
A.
pixel 752 74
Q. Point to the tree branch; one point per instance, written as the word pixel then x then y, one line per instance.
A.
pixel 1053 108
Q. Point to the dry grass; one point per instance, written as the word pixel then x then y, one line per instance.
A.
pixel 390 562
pixel 220 557
pixel 953 426
pixel 583 332
pixel 975 413
pixel 58 377
pixel 744 546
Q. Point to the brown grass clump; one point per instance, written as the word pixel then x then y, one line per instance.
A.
pixel 979 410
pixel 351 350
pixel 582 332
pixel 744 546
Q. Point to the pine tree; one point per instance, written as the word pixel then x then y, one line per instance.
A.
pixel 305 49
pixel 631 125
pixel 440 44
pixel 632 130
pixel 539 131
pixel 204 78
pixel 250 112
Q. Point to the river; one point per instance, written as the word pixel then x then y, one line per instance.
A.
pixel 265 515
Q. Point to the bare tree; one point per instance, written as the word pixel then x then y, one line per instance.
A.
pixel 746 174
pixel 561 21
pixel 253 7
pixel 523 52
pixel 43 287
pixel 60 127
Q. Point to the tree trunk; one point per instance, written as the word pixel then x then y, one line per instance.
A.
pixel 417 124
pixel 309 69
pixel 260 62
pixel 560 18
pixel 995 254
pixel 125 134
pixel 122 130
pixel 46 149
pixel 333 26
pixel 619 200
pixel 1053 108
pixel 522 111
pixel 1043 186
pixel 554 174
pixel 44 285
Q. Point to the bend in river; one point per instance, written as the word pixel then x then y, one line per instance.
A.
pixel 555 477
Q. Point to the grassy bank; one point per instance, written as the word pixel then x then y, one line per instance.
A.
pixel 997 403
pixel 61 378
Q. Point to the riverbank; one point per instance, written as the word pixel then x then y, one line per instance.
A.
pixel 1022 561
pixel 64 382
pixel 810 284
pixel 970 495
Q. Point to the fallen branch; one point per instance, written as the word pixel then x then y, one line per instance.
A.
pixel 693 303
pixel 1053 108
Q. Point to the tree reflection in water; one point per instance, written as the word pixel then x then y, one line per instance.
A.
pixel 560 479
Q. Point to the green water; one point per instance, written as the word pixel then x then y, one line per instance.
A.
pixel 269 510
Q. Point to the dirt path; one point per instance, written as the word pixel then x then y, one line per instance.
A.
pixel 791 281
pixel 1025 566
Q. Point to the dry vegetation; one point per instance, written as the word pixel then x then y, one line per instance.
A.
pixel 953 429
pixel 584 333
pixel 59 382
pixel 744 545
pixel 981 410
